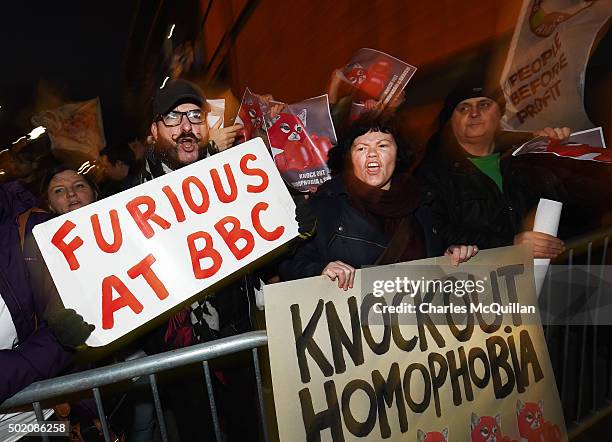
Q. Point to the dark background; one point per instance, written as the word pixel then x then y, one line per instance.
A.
pixel 69 50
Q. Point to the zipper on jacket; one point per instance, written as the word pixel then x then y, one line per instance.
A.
pixel 355 239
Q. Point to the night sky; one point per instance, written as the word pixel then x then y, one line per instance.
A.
pixel 76 49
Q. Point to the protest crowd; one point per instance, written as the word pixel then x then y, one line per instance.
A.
pixel 362 195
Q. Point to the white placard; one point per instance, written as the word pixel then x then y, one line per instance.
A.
pixel 124 260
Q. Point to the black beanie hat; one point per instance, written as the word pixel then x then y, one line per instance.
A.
pixel 466 91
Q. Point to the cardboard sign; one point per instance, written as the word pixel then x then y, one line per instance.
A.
pixel 369 364
pixel 124 260
pixel 543 78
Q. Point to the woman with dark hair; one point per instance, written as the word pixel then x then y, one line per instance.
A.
pixel 368 212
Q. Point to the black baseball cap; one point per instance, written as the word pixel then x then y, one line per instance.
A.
pixel 465 91
pixel 174 93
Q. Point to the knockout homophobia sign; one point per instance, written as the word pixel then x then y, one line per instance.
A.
pixel 378 364
pixel 124 260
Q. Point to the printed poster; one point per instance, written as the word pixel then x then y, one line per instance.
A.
pixel 252 115
pixel 300 137
pixel 588 145
pixel 75 127
pixel 377 78
pixel 216 111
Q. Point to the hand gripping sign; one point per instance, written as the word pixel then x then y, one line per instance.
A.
pixel 124 260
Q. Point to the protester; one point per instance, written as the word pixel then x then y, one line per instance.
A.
pixel 367 213
pixel 179 132
pixel 29 351
pixel 180 137
pixel 116 163
pixel 62 190
pixel 478 193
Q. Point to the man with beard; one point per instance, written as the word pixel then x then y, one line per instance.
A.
pixel 181 136
pixel 179 130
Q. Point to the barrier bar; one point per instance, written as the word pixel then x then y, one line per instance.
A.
pixel 211 400
pixel 101 414
pixel 40 418
pixel 567 326
pixel 158 408
pixel 97 377
pixel 262 409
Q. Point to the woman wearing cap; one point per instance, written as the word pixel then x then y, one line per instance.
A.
pixel 479 194
pixel 367 213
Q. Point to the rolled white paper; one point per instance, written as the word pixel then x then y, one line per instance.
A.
pixel 546 220
pixel 547 216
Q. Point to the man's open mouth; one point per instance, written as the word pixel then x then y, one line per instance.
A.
pixel 187 144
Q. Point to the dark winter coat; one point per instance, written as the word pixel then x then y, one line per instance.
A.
pixel 343 234
pixel 38 355
pixel 467 206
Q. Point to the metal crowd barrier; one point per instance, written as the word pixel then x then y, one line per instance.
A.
pixel 581 355
pixel 576 352
pixel 146 366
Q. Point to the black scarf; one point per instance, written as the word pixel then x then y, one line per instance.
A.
pixel 393 212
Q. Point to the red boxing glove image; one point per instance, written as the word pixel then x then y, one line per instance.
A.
pixel 299 151
pixel 370 83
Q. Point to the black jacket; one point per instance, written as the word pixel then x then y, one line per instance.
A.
pixel 343 234
pixel 466 205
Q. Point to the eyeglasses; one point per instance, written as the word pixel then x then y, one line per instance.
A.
pixel 174 118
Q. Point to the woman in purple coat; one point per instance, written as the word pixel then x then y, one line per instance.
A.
pixel 29 351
